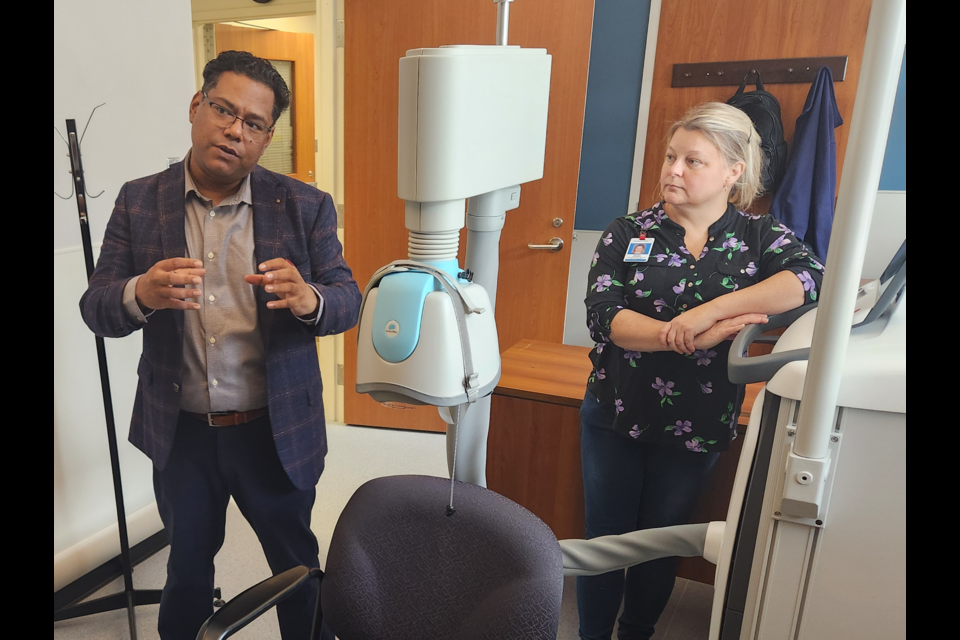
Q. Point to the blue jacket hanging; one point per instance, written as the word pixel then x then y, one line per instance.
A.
pixel 806 197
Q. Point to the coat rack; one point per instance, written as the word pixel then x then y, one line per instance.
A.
pixel 778 71
pixel 129 598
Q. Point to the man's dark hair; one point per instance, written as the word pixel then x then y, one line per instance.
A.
pixel 257 69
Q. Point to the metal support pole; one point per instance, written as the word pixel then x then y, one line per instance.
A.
pixel 485 217
pixel 869 127
pixel 503 20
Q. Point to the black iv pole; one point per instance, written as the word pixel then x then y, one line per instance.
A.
pixel 129 598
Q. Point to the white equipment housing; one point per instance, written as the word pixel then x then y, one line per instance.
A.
pixel 437 352
pixel 840 573
pixel 473 119
pixel 472 126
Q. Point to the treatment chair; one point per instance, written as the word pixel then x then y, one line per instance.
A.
pixel 404 565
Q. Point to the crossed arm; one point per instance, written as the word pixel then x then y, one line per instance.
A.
pixel 708 324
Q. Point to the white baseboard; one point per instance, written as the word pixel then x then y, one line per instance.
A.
pixel 91 552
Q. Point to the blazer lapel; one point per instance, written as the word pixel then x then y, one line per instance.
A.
pixel 269 200
pixel 171 206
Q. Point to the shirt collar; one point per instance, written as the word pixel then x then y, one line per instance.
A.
pixel 727 220
pixel 243 195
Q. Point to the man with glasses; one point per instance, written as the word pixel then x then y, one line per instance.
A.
pixel 231 271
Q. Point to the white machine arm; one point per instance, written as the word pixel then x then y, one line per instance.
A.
pixel 609 553
pixel 472 127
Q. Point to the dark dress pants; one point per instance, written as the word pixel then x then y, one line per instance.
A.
pixel 630 485
pixel 206 467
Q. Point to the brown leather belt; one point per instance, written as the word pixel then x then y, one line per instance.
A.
pixel 228 418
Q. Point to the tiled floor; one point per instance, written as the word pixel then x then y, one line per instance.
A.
pixel 356 455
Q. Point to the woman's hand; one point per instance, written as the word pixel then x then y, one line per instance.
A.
pixel 680 333
pixel 727 329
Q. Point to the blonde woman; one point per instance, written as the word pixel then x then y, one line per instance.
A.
pixel 667 287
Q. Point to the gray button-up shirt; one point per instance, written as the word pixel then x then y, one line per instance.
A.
pixel 224 364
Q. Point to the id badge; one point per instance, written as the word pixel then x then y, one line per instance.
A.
pixel 638 250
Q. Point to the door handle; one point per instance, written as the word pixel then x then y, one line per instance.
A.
pixel 555 245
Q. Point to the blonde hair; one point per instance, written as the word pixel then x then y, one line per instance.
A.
pixel 732 132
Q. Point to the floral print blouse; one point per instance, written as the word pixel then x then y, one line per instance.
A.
pixel 684 402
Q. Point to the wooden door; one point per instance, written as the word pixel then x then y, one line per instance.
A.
pixel 696 31
pixel 296 48
pixel 531 295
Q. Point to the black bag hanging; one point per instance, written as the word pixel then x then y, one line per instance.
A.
pixel 764 110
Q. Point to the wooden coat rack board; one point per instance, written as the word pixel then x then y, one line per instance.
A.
pixel 779 71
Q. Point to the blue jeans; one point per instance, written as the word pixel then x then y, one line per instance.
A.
pixel 631 485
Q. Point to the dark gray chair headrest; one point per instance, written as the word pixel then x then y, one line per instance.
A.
pixel 399 567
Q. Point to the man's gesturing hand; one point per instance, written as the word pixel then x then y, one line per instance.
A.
pixel 282 278
pixel 169 283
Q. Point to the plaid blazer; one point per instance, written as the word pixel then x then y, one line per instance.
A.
pixel 291 220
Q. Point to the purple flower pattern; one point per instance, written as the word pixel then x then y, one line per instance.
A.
pixel 681 427
pixel 603 283
pixel 619 375
pixel 808 284
pixel 704 356
pixel 778 244
pixel 664 388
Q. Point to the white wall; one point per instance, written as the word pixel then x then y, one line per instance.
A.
pixel 888 230
pixel 575 318
pixel 137 57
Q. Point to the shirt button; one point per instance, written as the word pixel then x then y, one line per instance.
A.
pixel 212 298
pixel 683 306
pixel 210 255
pixel 214 382
pixel 213 214
pixel 689 284
pixel 176 388
pixel 693 266
pixel 213 340
pixel 711 237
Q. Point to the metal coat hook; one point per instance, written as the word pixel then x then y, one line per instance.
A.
pixel 66 142
pixel 777 71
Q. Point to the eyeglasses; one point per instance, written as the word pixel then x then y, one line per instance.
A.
pixel 223 117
